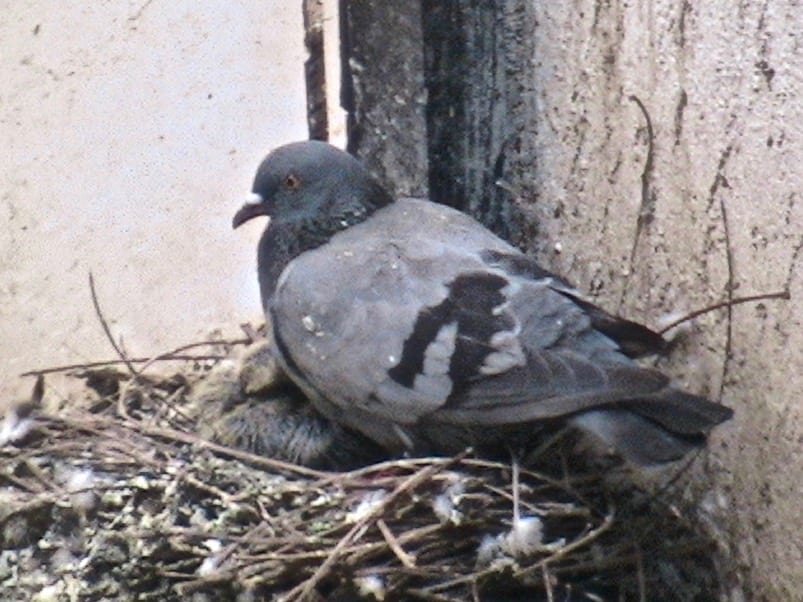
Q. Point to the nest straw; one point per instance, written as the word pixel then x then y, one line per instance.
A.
pixel 110 505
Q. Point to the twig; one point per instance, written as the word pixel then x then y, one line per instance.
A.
pixel 569 548
pixel 173 354
pixel 133 360
pixel 516 510
pixel 474 577
pixel 243 456
pixel 684 467
pixel 250 332
pixel 106 328
pixel 94 425
pixel 357 555
pixel 164 356
pixel 550 595
pixel 647 206
pixel 394 545
pixel 387 465
pixel 727 303
pixel 304 590
pixel 642 580
pixel 616 560
pixel 427 596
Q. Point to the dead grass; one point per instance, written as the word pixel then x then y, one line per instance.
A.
pixel 116 497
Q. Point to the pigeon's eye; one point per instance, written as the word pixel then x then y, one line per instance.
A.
pixel 292 182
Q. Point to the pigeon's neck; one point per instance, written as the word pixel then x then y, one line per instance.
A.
pixel 283 241
pixel 277 247
pixel 342 207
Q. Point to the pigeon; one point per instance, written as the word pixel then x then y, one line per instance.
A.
pixel 411 323
pixel 240 405
pixel 285 427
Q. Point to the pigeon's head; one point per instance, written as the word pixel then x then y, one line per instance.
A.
pixel 312 184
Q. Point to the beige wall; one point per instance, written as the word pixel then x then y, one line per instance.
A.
pixel 130 130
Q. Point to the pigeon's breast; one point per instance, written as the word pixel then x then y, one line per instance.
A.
pixel 344 310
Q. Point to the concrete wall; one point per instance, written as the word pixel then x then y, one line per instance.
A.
pixel 130 131
pixel 721 214
pixel 654 154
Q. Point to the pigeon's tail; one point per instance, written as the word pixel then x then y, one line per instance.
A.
pixel 661 428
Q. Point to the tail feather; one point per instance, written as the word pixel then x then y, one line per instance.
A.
pixel 660 428
pixel 636 438
pixel 680 412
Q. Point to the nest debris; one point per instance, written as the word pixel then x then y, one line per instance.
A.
pixel 116 497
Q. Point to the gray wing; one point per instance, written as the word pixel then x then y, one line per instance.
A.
pixel 447 323
pixel 392 321
pixel 633 339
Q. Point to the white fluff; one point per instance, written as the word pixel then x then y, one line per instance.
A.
pixel 526 537
pixel 80 484
pixel 371 585
pixel 446 504
pixel 367 505
pixel 14 428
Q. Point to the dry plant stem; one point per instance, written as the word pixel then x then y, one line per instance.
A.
pixel 106 328
pixel 100 428
pixel 516 510
pixel 22 485
pixel 394 545
pixel 39 475
pixel 420 594
pixel 723 304
pixel 417 533
pixel 253 459
pixel 642 581
pixel 122 395
pixel 472 578
pixel 647 195
pixel 250 332
pixel 405 463
pixel 683 469
pixel 618 560
pixel 571 547
pixel 303 591
pixel 726 360
pixel 550 596
pixel 492 464
pixel 194 585
pixel 168 357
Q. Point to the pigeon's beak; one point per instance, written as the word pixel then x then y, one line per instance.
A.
pixel 252 208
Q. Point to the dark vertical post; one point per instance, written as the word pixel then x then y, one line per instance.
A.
pixel 314 71
pixel 438 99
pixel 383 91
pixel 467 116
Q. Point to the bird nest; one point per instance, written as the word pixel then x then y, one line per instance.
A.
pixel 116 497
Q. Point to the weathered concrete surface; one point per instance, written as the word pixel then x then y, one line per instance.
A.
pixel 129 132
pixel 656 152
pixel 721 215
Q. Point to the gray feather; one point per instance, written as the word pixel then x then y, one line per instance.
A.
pixel 415 315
